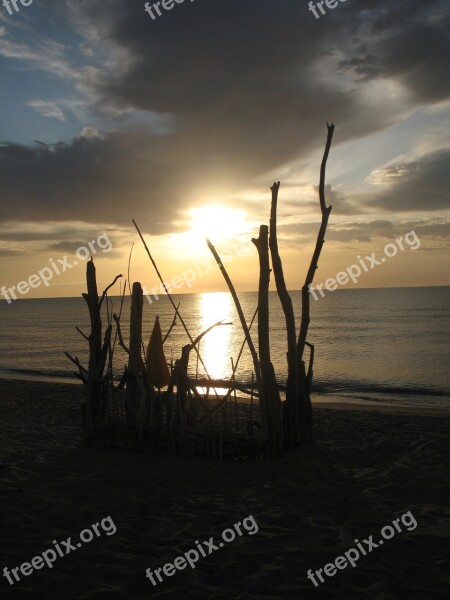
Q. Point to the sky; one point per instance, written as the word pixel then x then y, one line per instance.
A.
pixel 183 122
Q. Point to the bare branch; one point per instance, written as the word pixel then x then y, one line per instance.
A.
pixel 326 210
pixel 119 333
pixel 173 323
pixel 83 334
pixel 76 362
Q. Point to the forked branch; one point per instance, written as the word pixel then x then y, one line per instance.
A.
pixel 326 210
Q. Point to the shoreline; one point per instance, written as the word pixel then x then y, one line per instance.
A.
pixel 327 401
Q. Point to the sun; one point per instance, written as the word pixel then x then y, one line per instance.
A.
pixel 216 222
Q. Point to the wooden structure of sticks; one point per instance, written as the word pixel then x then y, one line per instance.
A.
pixel 133 411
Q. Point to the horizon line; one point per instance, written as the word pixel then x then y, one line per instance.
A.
pixel 162 294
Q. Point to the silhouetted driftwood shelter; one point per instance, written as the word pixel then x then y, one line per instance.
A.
pixel 181 419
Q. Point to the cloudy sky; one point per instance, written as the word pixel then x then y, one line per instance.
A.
pixel 184 122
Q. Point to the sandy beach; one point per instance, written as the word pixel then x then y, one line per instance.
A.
pixel 224 300
pixel 366 468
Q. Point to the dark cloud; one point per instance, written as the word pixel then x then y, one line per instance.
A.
pixel 421 185
pixel 407 41
pixel 107 179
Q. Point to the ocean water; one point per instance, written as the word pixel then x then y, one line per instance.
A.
pixel 387 345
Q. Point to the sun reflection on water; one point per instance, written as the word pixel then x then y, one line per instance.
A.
pixel 215 346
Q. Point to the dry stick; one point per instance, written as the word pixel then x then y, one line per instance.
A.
pixel 326 210
pixel 196 364
pixel 273 407
pixel 235 398
pixel 109 305
pixel 97 320
pixel 172 325
pixel 76 362
pixel 171 301
pixel 199 337
pixel 309 375
pixel 288 309
pixel 94 390
pixel 83 334
pixel 109 370
pixel 129 267
pixel 135 388
pixel 244 325
pixel 119 332
pixel 105 291
pixel 113 347
pixel 117 319
pixel 243 343
pixel 104 350
pixel 304 383
pixel 251 408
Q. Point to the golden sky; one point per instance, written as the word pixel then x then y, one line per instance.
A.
pixel 184 122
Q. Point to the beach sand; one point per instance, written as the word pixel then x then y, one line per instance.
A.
pixel 369 465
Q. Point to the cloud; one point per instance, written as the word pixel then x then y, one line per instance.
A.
pixel 47 109
pixel 437 230
pixel 415 51
pixel 247 87
pixel 89 133
pixel 418 185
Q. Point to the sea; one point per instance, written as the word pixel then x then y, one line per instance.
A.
pixel 387 345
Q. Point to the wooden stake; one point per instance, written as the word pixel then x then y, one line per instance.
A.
pixel 273 409
pixel 292 435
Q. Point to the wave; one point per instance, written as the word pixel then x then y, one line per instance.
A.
pixel 330 386
pixel 38 373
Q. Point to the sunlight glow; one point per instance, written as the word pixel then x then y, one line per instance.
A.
pixel 216 222
pixel 215 346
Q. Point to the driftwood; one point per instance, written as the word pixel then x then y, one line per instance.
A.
pixel 135 371
pixel 272 409
pixel 172 325
pixel 306 427
pixel 326 210
pixel 291 420
pixel 93 408
pixel 180 419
